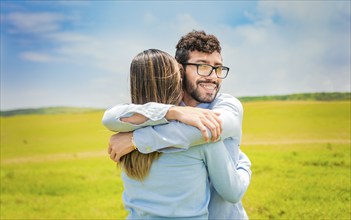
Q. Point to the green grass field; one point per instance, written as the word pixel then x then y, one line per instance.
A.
pixel 57 167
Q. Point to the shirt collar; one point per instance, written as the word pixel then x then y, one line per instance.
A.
pixel 201 105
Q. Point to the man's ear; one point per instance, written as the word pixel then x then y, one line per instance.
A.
pixel 182 71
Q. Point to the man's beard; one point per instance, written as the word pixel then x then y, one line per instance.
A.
pixel 194 92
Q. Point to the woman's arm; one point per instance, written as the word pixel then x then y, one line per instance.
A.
pixel 159 138
pixel 150 114
pixel 203 119
pixel 129 117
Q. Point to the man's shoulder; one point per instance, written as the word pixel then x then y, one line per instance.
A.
pixel 225 97
pixel 228 101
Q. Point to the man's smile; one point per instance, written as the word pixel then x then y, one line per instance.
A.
pixel 210 86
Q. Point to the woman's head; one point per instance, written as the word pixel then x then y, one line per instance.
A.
pixel 155 76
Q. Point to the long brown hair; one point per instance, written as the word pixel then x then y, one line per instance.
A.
pixel 155 76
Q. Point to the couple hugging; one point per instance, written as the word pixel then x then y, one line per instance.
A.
pixel 179 141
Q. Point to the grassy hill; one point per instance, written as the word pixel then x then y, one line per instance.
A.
pixel 56 166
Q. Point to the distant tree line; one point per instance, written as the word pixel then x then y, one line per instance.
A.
pixel 322 96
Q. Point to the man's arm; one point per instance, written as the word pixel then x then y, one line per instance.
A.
pixel 244 164
pixel 230 182
pixel 231 114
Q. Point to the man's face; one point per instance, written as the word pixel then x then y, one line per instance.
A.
pixel 201 89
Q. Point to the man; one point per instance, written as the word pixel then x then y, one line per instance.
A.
pixel 199 54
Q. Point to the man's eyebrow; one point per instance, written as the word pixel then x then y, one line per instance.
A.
pixel 206 62
pixel 201 61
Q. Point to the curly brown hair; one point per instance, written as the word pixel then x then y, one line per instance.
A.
pixel 196 40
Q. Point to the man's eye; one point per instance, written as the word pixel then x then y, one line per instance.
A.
pixel 204 67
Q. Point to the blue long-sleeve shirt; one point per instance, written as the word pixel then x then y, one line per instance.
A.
pixel 179 184
pixel 152 138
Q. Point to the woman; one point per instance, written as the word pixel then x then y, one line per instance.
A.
pixel 172 184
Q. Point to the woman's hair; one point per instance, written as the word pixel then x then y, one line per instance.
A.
pixel 196 40
pixel 155 76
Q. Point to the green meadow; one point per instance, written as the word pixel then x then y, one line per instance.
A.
pixel 56 166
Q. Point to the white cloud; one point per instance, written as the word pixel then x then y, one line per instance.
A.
pixel 34 22
pixel 305 12
pixel 37 57
pixel 68 37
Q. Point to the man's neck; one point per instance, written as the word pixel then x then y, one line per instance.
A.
pixel 190 102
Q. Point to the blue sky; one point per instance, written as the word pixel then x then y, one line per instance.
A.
pixel 77 53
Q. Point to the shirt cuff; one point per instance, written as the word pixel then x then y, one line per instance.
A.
pixel 154 111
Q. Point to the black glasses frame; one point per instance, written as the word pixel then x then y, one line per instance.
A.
pixel 213 68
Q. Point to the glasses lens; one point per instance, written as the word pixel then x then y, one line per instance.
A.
pixel 222 72
pixel 219 71
pixel 203 69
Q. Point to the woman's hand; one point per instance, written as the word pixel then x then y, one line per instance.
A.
pixel 198 117
pixel 120 145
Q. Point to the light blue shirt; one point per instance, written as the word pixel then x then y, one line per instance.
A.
pixel 178 184
pixel 181 136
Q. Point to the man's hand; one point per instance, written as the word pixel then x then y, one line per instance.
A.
pixel 198 117
pixel 120 145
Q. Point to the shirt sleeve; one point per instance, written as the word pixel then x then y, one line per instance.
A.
pixel 229 182
pixel 155 112
pixel 177 136
pixel 231 115
pixel 243 167
pixel 167 138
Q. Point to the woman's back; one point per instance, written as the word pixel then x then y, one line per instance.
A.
pixel 178 184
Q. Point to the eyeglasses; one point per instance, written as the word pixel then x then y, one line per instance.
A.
pixel 206 69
